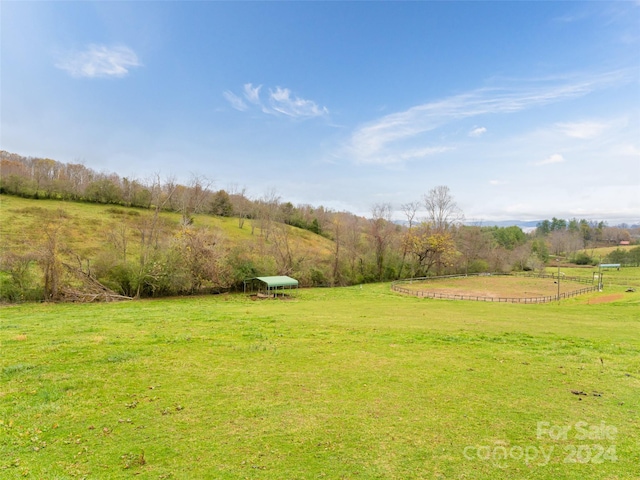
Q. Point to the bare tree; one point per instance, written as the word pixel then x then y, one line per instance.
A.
pixel 520 256
pixel 337 228
pixel 43 172
pixel 472 243
pixel 353 236
pixel 201 254
pixel 78 177
pixel 380 232
pixel 118 235
pixel 285 250
pixel 574 242
pixel 558 241
pixel 410 210
pixel 241 204
pixel 194 197
pixel 165 193
pixel 50 255
pixel 442 210
pixel 267 211
pixel 149 227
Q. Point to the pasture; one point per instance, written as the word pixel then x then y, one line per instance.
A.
pixel 353 383
pixel 496 286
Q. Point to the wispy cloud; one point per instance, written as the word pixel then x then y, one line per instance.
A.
pixel 496 183
pixel 235 101
pixel 283 101
pixel 555 158
pixel 478 132
pixel 252 93
pixel 582 130
pixel 98 61
pixel 576 16
pixel 280 101
pixel 384 140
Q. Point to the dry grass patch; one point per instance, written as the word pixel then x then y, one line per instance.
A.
pixel 607 298
pixel 491 286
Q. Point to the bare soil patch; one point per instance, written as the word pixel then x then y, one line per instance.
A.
pixel 495 286
pixel 606 298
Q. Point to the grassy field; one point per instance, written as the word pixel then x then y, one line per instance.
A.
pixel 353 383
pixel 611 277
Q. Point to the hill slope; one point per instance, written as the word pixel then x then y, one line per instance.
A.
pixel 140 251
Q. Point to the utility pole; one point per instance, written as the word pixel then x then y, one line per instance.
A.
pixel 558 262
pixel 600 275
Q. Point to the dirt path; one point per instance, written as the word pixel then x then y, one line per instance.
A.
pixel 606 298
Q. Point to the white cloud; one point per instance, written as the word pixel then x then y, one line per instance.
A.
pixel 388 136
pixel 235 101
pixel 279 102
pixel 100 61
pixel 478 132
pixel 283 102
pixel 582 130
pixel 252 93
pixel 497 182
pixel 555 158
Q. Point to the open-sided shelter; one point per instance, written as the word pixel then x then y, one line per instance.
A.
pixel 270 285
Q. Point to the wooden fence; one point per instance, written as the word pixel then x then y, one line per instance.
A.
pixel 395 286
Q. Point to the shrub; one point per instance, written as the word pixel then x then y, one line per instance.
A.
pixel 582 258
pixel 121 279
pixel 18 279
pixel 478 266
pixel 318 278
pixel 617 256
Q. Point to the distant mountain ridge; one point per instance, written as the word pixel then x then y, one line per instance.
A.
pixel 491 223
pixel 505 223
pixel 525 225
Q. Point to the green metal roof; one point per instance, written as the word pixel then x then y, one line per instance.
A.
pixel 279 281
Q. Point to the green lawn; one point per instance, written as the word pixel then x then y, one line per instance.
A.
pixel 353 383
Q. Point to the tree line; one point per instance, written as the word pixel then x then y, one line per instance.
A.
pixel 44 178
pixel 162 247
pixel 573 238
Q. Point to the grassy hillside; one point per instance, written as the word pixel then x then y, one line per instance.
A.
pixel 336 383
pixel 122 246
pixel 602 252
pixel 90 223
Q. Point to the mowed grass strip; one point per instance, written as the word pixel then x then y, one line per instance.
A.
pixel 338 383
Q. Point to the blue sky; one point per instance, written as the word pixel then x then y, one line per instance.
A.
pixel 526 110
